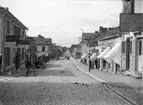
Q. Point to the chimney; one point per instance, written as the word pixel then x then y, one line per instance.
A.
pixel 40 36
pixel 102 29
pixel 128 6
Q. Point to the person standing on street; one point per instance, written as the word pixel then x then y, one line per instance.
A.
pixel 28 66
pixel 90 65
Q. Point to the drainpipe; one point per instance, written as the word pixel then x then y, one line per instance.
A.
pixel 3 47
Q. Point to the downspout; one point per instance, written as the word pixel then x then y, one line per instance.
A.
pixel 3 47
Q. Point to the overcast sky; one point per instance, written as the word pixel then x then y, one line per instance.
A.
pixel 61 20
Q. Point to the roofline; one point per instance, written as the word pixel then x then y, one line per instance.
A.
pixel 41 44
pixel 7 12
pixel 108 37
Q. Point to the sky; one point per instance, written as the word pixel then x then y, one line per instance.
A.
pixel 62 20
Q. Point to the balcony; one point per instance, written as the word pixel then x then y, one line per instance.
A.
pixel 17 39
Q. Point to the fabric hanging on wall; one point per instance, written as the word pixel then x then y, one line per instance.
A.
pixel 102 54
pixel 93 57
pixel 84 56
pixel 114 54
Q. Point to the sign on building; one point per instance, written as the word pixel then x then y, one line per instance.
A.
pixel 131 22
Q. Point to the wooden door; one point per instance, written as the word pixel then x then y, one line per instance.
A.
pixel 140 55
pixel 18 59
pixel 132 54
pixel 123 56
pixel 128 52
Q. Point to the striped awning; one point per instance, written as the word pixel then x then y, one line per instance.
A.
pixel 114 54
pixel 84 56
pixel 93 56
pixel 101 55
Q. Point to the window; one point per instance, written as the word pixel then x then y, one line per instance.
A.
pixel 18 31
pixel 8 27
pixel 43 48
pixel 123 47
pixel 15 30
pixel 22 35
pixel 140 47
pixel 130 47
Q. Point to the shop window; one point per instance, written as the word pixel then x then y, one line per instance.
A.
pixel 140 47
pixel 8 27
pixel 123 47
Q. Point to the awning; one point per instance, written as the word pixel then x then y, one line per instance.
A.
pixel 93 56
pixel 101 55
pixel 84 56
pixel 114 54
pixel 10 38
pixel 23 42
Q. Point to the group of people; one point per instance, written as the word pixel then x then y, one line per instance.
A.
pixel 32 62
pixel 94 64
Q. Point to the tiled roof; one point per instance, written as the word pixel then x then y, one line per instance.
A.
pixel 49 40
pixel 109 34
pixel 87 36
pixel 39 41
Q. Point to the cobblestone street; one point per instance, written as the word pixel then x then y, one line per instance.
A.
pixel 60 84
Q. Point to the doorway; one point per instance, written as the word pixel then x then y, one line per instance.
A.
pixel 128 52
pixel 18 59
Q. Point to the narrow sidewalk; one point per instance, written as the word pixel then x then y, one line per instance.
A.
pixel 16 74
pixel 126 86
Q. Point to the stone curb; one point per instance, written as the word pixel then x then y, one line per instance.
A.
pixel 98 79
pixel 10 77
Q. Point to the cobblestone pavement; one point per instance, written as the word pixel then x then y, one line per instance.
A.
pixel 60 84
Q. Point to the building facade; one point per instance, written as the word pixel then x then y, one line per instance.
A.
pixel 132 41
pixel 41 46
pixel 109 43
pixel 12 41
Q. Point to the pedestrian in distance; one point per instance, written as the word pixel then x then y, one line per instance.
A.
pixel 28 66
pixel 95 62
pixel 90 65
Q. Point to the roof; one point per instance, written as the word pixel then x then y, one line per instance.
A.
pixel 111 33
pixel 5 10
pixel 40 41
pixel 49 40
pixel 87 36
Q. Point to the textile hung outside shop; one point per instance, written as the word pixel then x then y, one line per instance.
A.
pixel 114 54
pixel 102 54
pixel 93 57
pixel 84 56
